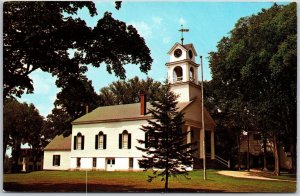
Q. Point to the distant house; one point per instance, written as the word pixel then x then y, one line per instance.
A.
pixel 106 138
pixel 30 161
pixel 256 152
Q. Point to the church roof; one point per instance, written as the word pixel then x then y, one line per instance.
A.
pixel 59 143
pixel 117 113
pixel 190 47
pixel 186 47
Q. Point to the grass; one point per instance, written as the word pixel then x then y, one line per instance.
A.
pixel 283 175
pixel 101 181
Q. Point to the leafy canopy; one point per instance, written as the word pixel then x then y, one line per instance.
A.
pixel 37 35
pixel 254 74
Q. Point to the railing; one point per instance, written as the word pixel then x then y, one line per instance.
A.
pixel 220 160
pixel 179 79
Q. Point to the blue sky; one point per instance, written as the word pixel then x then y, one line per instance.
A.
pixel 158 23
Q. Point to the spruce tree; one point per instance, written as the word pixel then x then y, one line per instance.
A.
pixel 166 152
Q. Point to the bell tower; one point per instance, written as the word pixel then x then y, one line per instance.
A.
pixel 183 72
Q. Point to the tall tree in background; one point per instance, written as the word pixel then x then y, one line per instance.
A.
pixel 125 92
pixel 57 123
pixel 255 67
pixel 166 151
pixel 22 123
pixel 76 95
pixel 71 102
pixel 38 35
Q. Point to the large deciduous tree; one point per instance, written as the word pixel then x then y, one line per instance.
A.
pixel 254 74
pixel 125 92
pixel 22 123
pixel 166 152
pixel 38 35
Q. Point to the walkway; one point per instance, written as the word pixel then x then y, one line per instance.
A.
pixel 246 174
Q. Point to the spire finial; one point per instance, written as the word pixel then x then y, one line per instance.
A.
pixel 183 30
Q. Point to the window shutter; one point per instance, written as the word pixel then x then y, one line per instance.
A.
pixel 146 139
pixel 96 142
pixel 53 162
pixel 82 142
pixel 104 141
pixel 120 141
pixel 58 160
pixel 75 141
pixel 129 141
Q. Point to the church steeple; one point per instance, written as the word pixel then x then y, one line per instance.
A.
pixel 182 66
pixel 183 70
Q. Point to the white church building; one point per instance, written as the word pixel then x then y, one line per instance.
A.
pixel 106 138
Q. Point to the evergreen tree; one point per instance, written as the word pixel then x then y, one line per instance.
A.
pixel 166 151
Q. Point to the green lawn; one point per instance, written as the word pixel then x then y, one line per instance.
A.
pixel 100 181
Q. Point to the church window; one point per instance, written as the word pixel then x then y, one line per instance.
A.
pixel 78 164
pixel 56 160
pixel 94 162
pixel 177 74
pixel 130 162
pixel 191 54
pixel 177 53
pixel 100 141
pixel 192 77
pixel 79 142
pixel 125 140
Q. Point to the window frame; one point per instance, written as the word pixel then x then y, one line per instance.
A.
pixel 78 162
pixel 56 160
pixel 131 162
pixel 94 162
pixel 125 139
pixel 125 135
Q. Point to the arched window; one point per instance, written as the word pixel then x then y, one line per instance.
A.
pixel 100 141
pixel 79 142
pixel 125 140
pixel 192 76
pixel 177 74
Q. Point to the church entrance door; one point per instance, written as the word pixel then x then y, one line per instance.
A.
pixel 110 164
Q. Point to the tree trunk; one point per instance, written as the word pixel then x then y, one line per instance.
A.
pixel 5 142
pixel 239 153
pixel 276 155
pixel 265 152
pixel 16 156
pixel 293 149
pixel 248 153
pixel 167 180
pixel 294 158
pixel 167 160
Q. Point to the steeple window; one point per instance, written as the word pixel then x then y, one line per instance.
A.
pixel 192 74
pixel 177 74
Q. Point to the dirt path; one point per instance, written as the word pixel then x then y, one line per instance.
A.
pixel 245 174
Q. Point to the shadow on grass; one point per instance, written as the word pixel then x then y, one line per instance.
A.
pixel 81 187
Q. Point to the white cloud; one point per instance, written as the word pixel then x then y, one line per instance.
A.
pixel 182 21
pixel 157 20
pixel 143 29
pixel 166 40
